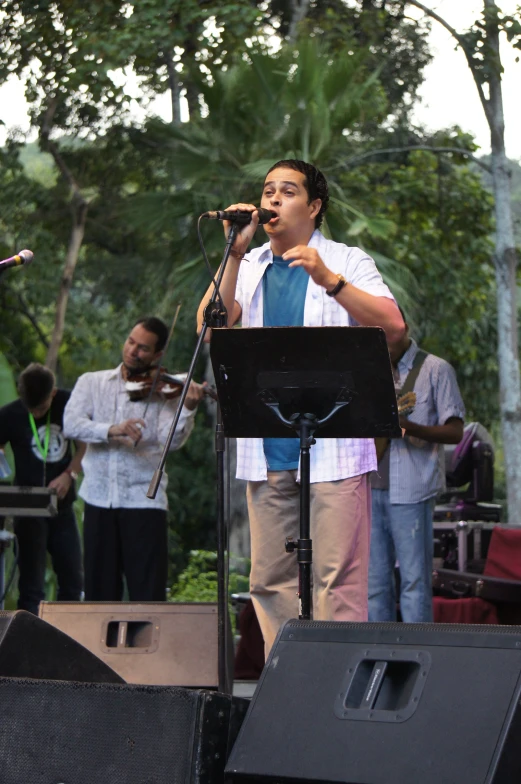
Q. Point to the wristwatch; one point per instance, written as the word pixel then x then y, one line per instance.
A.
pixel 339 286
pixel 71 473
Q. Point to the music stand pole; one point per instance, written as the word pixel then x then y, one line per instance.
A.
pixel 305 425
pixel 304 545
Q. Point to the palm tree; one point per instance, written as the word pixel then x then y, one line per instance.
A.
pixel 299 103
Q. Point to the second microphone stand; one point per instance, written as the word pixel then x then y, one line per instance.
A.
pixel 215 315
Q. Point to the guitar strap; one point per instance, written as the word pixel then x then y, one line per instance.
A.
pixel 408 386
pixel 413 374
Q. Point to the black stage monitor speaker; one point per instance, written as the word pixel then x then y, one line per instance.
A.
pixel 32 648
pixel 83 733
pixel 385 704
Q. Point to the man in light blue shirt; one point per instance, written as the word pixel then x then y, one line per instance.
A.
pixel 411 473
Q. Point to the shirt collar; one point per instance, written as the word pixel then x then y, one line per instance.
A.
pixel 115 372
pixel 266 252
pixel 407 360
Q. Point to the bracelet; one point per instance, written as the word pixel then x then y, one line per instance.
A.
pixel 236 255
pixel 71 473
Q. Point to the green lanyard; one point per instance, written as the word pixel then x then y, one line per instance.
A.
pixel 42 450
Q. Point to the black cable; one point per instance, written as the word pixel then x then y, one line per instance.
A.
pixel 228 518
pixel 208 267
pixel 227 526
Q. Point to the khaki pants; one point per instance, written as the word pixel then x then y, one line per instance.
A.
pixel 340 530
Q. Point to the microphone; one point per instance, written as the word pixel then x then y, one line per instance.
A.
pixel 24 257
pixel 240 216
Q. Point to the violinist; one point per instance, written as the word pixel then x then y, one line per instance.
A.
pixel 125 533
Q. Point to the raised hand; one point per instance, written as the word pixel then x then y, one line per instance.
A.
pixel 304 256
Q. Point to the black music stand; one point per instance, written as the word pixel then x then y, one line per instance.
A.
pixel 282 382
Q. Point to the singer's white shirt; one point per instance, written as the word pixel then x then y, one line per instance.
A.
pixel 117 474
pixel 330 458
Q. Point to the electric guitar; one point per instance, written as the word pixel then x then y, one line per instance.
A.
pixel 406 405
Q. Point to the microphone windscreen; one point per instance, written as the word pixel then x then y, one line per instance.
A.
pixel 265 215
pixel 26 256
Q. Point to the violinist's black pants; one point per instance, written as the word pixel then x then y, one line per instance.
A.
pixel 129 542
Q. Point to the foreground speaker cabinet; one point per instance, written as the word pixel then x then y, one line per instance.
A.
pixel 78 733
pixel 385 704
pixel 148 643
pixel 31 648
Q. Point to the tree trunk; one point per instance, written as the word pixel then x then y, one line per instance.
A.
pixel 175 90
pixel 505 258
pixel 79 212
pixel 506 265
pixel 299 10
pixel 79 209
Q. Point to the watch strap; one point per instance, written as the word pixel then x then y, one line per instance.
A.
pixel 339 286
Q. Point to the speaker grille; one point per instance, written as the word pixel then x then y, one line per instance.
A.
pixel 123 734
pixel 454 628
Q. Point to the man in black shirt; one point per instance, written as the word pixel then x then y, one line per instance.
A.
pixel 33 425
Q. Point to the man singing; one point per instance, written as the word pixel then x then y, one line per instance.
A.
pixel 299 278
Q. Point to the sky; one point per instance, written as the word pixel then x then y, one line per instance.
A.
pixel 449 95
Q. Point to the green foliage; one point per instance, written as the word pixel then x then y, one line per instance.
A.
pixel 7 383
pixel 198 582
pixel 186 37
pixel 344 88
pixel 445 221
pixel 178 40
pixel 7 394
pixel 75 46
pixel 443 216
pixel 192 495
pixel 479 42
pixel 394 43
pixel 207 163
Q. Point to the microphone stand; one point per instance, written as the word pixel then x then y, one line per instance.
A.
pixel 215 315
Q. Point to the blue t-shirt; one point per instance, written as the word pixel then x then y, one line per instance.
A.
pixel 284 293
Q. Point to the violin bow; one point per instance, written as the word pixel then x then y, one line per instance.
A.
pixel 165 350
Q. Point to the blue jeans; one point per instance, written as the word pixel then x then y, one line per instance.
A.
pixel 400 532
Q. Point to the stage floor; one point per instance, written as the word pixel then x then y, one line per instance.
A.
pixel 244 689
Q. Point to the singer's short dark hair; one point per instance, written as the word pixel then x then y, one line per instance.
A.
pixel 157 327
pixel 35 384
pixel 314 180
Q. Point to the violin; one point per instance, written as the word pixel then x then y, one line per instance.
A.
pixel 158 382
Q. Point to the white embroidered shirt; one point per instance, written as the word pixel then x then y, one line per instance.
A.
pixel 117 474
